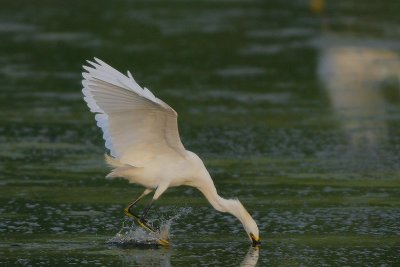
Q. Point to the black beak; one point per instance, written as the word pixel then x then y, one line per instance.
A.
pixel 256 242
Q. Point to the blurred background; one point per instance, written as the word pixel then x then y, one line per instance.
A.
pixel 293 105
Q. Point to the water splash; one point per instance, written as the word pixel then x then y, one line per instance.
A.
pixel 132 235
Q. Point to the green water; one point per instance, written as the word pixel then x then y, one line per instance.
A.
pixel 294 111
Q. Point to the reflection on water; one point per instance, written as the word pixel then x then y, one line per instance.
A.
pixel 355 77
pixel 162 257
pixel 251 258
pixel 145 257
pixel 355 72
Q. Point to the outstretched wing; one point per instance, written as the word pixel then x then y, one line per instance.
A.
pixel 136 125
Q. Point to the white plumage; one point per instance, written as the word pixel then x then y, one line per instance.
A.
pixel 137 126
pixel 141 132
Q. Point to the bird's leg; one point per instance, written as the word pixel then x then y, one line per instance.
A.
pixel 138 219
pixel 160 189
pixel 145 211
pixel 128 211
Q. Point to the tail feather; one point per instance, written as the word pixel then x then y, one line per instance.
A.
pixel 113 162
pixel 119 172
pixel 119 169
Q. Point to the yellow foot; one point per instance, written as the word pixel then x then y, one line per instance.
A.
pixel 163 242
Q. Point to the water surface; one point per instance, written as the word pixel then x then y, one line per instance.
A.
pixel 294 107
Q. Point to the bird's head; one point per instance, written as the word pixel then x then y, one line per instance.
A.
pixel 236 208
pixel 252 231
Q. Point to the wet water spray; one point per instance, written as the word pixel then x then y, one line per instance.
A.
pixel 132 235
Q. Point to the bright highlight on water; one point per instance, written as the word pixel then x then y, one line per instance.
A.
pixel 141 133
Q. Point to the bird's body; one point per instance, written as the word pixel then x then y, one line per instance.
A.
pixel 142 135
pixel 162 170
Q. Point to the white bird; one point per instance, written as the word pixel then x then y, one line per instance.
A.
pixel 141 133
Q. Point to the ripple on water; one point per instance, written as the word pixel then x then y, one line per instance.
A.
pixel 330 221
pixel 15 27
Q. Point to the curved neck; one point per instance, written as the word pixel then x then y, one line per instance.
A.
pixel 232 206
pixel 211 194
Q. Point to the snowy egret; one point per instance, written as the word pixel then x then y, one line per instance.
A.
pixel 141 133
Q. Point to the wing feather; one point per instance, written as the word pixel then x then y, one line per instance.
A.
pixel 136 125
